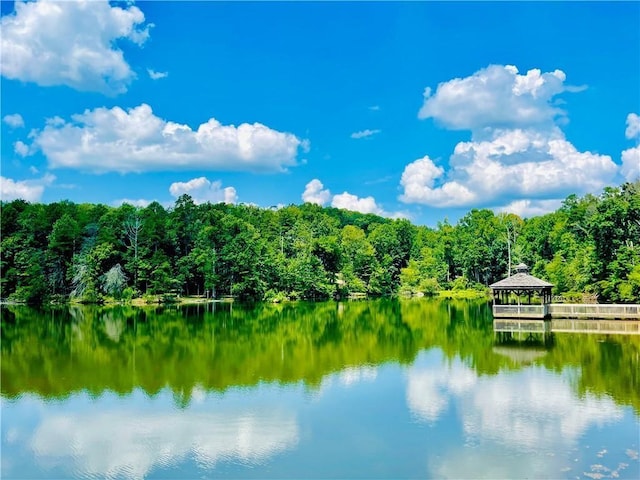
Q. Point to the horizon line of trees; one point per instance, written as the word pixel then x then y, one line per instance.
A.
pixel 61 250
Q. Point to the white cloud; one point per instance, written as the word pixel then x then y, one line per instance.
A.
pixel 14 120
pixel 202 190
pixel 29 190
pixel 364 133
pixel 631 157
pixel 631 164
pixel 314 193
pixel 21 148
pixel 352 202
pixel 71 43
pixel 633 126
pixel 418 180
pixel 516 164
pixel 136 140
pixel 531 208
pixel 495 96
pixel 374 108
pixel 517 155
pixel 156 75
pixel 140 202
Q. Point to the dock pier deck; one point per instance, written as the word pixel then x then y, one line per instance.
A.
pixel 568 310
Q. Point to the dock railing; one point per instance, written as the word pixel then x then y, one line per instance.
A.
pixel 520 311
pixel 568 310
pixel 595 310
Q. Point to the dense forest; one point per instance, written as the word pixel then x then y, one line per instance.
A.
pixel 87 252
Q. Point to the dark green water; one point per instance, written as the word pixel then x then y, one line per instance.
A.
pixel 370 389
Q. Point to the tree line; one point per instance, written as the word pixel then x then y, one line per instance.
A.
pixel 88 252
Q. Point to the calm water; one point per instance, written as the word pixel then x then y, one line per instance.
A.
pixel 379 389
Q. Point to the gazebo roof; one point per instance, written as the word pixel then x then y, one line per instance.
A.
pixel 521 281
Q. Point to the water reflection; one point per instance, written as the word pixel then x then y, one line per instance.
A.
pixel 110 437
pixel 529 421
pixel 412 388
pixel 351 375
pixel 431 388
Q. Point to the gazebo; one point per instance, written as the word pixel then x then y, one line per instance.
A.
pixel 532 296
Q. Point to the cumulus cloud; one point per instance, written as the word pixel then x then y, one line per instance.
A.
pixel 516 164
pixel 203 190
pixel 21 148
pixel 29 190
pixel 631 164
pixel 314 192
pixel 418 180
pixel 352 202
pixel 136 140
pixel 71 43
pixel 631 157
pixel 14 120
pixel 364 133
pixel 633 126
pixel 531 208
pixel 517 158
pixel 495 96
pixel 139 202
pixel 156 75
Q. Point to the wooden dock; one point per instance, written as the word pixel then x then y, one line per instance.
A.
pixel 568 310
pixel 521 311
pixel 596 310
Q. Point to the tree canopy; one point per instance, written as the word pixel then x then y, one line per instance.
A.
pixel 60 250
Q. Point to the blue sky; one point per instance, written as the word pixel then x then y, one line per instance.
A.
pixel 423 110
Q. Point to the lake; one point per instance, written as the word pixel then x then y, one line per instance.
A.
pixel 362 389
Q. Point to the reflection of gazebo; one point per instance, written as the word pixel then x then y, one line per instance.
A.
pixel 536 292
pixel 519 355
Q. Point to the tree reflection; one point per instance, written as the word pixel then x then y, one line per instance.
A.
pixel 58 351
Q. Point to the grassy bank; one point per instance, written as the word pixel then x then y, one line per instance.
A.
pixel 469 294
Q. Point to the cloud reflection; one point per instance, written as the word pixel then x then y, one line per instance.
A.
pixel 132 443
pixel 532 410
pixel 429 389
pixel 353 375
